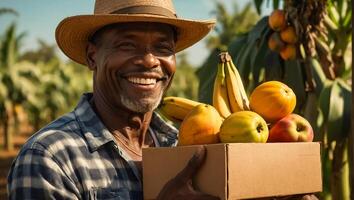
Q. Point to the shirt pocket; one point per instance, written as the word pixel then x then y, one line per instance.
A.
pixel 109 193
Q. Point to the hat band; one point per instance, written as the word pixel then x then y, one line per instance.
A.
pixel 155 10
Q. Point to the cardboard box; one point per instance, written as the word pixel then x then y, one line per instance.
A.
pixel 239 170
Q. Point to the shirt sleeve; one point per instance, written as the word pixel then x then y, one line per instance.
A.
pixel 35 174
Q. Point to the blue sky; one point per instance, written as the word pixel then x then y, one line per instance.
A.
pixel 39 18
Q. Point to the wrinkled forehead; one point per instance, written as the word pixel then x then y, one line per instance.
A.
pixel 163 29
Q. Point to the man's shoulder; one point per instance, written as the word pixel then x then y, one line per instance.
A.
pixel 57 133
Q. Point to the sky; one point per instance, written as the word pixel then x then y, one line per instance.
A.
pixel 39 18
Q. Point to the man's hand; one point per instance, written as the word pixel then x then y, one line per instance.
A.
pixel 180 187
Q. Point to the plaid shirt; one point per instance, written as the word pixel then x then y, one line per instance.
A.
pixel 76 157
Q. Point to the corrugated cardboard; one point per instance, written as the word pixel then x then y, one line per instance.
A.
pixel 239 170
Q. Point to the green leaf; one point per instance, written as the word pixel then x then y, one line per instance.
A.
pixel 275 4
pixel 318 75
pixel 347 21
pixel 324 99
pixel 295 80
pixel 206 75
pixel 258 4
pixel 274 68
pixel 333 14
pixel 335 103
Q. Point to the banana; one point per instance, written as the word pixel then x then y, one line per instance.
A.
pixel 220 96
pixel 236 92
pixel 176 108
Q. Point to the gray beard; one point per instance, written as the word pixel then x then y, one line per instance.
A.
pixel 140 106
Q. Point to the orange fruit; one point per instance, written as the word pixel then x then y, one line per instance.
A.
pixel 200 126
pixel 275 43
pixel 273 100
pixel 277 20
pixel 288 35
pixel 288 52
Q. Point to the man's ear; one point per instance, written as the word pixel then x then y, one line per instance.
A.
pixel 91 61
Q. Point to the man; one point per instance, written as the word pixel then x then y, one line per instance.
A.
pixel 94 152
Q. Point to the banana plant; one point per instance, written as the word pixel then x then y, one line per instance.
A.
pixel 11 77
pixel 320 76
pixel 185 82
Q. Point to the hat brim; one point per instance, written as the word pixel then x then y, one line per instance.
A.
pixel 72 33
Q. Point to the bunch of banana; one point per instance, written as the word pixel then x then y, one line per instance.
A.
pixel 220 96
pixel 229 94
pixel 176 108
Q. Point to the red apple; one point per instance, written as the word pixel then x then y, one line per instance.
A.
pixel 292 128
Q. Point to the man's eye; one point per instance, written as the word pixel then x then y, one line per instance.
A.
pixel 126 45
pixel 165 48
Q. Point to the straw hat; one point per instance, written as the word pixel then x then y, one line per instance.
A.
pixel 72 33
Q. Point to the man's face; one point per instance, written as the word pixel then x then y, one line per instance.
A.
pixel 133 65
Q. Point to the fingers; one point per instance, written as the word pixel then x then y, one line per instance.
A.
pixel 193 165
pixel 309 197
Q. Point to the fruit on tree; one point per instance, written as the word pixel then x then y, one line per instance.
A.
pixel 277 20
pixel 275 42
pixel 288 52
pixel 288 35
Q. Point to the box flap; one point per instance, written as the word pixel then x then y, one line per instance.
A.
pixel 162 164
pixel 263 170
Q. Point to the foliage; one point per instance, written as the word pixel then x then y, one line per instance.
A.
pixel 185 82
pixel 37 81
pixel 231 26
pixel 320 76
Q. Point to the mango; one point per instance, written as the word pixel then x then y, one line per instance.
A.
pixel 200 126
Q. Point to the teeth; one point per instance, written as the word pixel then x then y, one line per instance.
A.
pixel 144 81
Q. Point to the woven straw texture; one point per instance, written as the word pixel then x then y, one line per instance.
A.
pixel 72 33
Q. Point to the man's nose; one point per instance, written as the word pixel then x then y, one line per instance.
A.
pixel 147 60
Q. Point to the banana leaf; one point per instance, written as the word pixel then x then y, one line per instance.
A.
pixel 206 75
pixel 335 103
pixel 294 79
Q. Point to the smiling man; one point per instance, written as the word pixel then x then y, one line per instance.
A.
pixel 95 151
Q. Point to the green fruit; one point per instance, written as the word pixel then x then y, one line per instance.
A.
pixel 242 127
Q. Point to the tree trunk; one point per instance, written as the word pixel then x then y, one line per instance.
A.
pixel 351 154
pixel 339 176
pixel 8 141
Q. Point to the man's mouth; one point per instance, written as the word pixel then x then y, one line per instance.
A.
pixel 142 81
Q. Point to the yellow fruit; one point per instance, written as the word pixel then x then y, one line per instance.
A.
pixel 288 35
pixel 289 52
pixel 220 96
pixel 273 100
pixel 275 43
pixel 236 91
pixel 277 20
pixel 200 126
pixel 176 108
pixel 244 126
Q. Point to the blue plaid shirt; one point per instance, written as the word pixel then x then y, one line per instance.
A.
pixel 76 157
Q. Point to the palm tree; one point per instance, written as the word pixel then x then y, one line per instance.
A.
pixel 13 76
pixel 185 82
pixel 231 26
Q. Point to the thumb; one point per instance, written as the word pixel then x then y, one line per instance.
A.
pixel 193 165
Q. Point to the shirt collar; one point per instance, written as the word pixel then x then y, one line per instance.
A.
pixel 93 130
pixel 96 133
